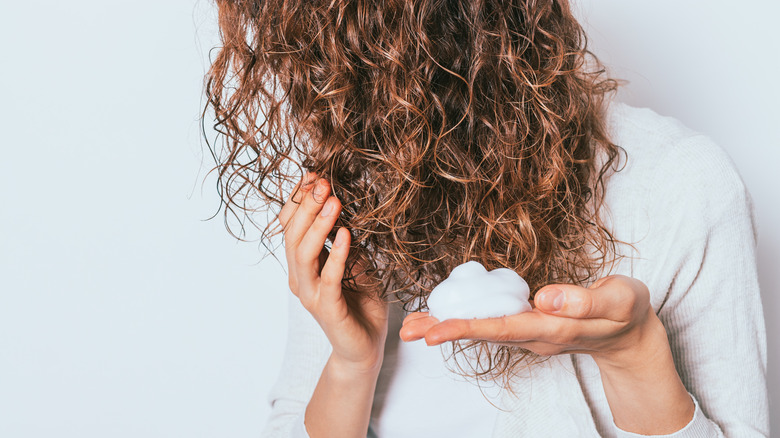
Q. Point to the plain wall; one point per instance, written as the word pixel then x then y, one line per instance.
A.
pixel 124 313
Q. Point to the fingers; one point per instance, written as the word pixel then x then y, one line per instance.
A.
pixel 308 254
pixel 311 204
pixel 300 189
pixel 314 239
pixel 617 298
pixel 333 270
pixel 535 330
pixel 297 217
pixel 416 325
pixel 514 328
pixel 566 318
pixel 285 216
pixel 415 315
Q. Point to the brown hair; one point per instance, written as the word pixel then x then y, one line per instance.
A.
pixel 450 130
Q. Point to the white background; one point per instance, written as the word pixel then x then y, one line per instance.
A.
pixel 123 313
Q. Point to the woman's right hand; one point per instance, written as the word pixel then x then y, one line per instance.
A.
pixel 356 331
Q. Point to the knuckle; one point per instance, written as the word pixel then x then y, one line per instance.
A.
pixel 598 283
pixel 321 225
pixel 578 304
pixel 320 191
pixel 624 309
pixel 638 300
pixel 642 291
pixel 330 278
pixel 300 258
pixel 289 238
pixel 625 315
pixel 631 300
pixel 609 279
pixel 584 305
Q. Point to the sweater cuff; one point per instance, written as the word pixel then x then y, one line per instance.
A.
pixel 699 427
pixel 299 428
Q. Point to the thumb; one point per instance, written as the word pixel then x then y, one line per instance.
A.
pixel 567 300
pixel 615 297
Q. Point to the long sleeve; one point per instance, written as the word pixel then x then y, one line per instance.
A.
pixel 699 427
pixel 684 209
pixel 712 310
pixel 305 356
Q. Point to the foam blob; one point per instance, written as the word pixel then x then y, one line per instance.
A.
pixel 472 292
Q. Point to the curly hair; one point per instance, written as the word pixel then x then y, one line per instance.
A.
pixel 451 130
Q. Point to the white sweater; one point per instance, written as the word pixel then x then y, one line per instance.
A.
pixel 685 208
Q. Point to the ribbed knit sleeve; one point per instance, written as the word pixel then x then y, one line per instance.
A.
pixel 684 209
pixel 698 427
pixel 305 356
pixel 712 306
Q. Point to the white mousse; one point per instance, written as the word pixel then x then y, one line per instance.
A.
pixel 472 292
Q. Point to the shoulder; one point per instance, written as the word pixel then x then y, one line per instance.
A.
pixel 677 188
pixel 670 162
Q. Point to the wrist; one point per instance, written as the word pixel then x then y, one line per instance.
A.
pixel 643 388
pixel 342 400
pixel 350 369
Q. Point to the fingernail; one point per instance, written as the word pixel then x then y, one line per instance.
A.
pixel 339 239
pixel 553 299
pixel 327 209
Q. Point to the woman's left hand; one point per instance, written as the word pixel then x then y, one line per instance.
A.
pixel 611 320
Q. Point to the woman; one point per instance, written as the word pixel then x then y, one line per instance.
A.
pixel 434 133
